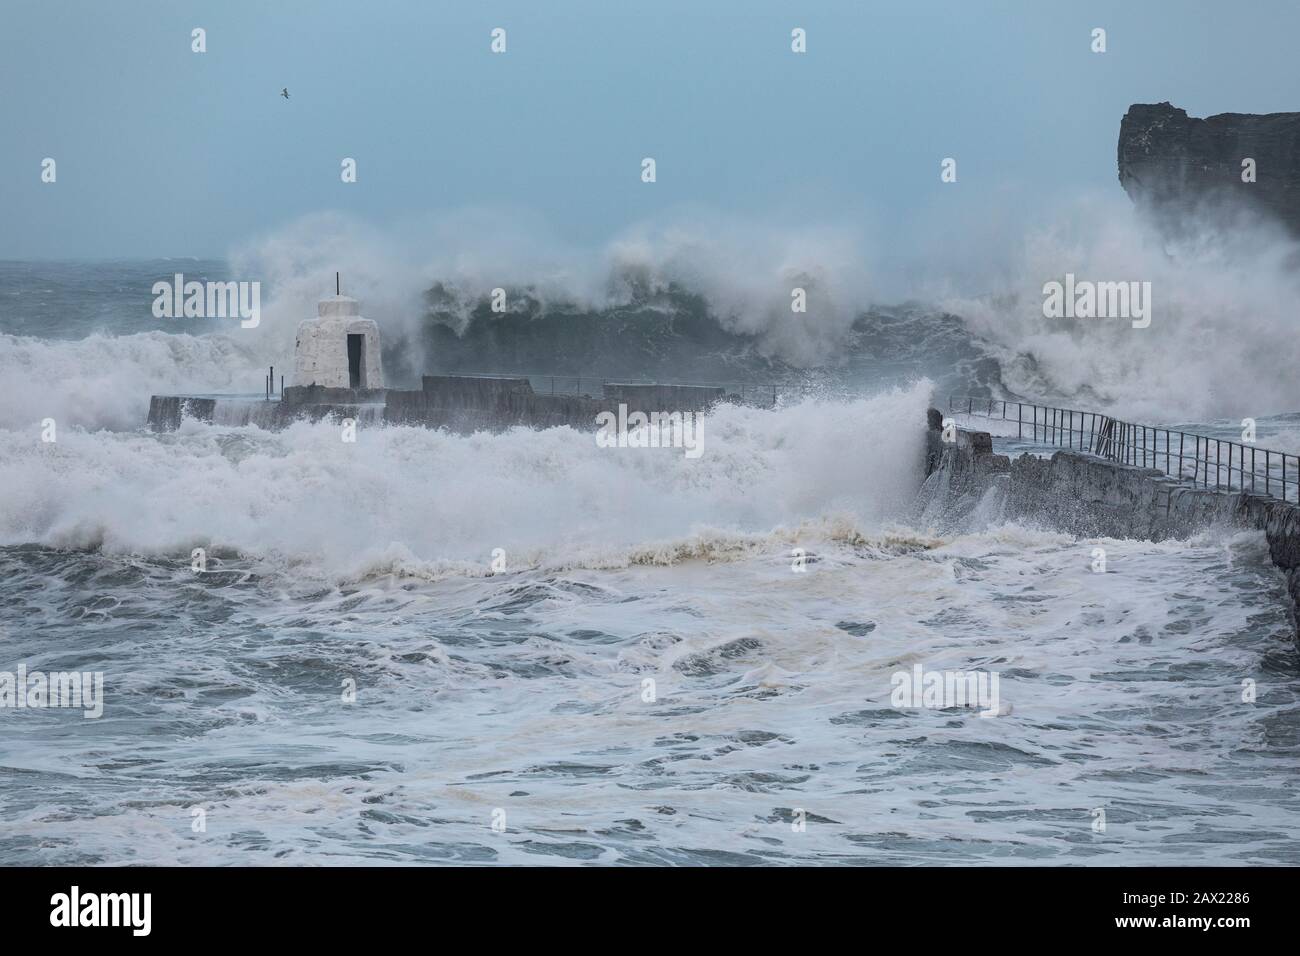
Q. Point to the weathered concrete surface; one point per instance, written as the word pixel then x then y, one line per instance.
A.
pixel 959 473
pixel 460 403
pixel 471 391
pixel 1172 163
pixel 1091 497
pixel 658 398
pixel 469 404
pixel 323 395
pixel 166 411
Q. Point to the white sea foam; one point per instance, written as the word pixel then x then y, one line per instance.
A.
pixel 526 692
pixel 412 494
pixel 104 381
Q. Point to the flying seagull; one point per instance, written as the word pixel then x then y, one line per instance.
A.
pixel 285 92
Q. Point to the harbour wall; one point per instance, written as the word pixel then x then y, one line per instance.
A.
pixel 455 402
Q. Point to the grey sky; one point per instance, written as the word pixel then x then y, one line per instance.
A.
pixel 162 151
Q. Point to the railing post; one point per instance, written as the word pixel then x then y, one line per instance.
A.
pixel 1020 420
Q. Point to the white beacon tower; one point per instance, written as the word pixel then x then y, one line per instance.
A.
pixel 338 348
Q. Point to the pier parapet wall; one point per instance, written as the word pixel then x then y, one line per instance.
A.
pixel 461 403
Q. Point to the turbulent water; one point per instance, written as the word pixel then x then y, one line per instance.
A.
pixel 563 653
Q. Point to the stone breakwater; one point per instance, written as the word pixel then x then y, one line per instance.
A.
pixel 459 403
pixel 1081 494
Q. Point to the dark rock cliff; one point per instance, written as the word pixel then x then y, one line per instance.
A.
pixel 1176 165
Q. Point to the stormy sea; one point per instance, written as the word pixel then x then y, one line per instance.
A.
pixel 518 647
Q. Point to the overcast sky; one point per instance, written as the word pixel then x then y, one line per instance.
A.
pixel 161 151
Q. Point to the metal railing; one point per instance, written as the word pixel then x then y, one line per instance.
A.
pixel 1185 455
